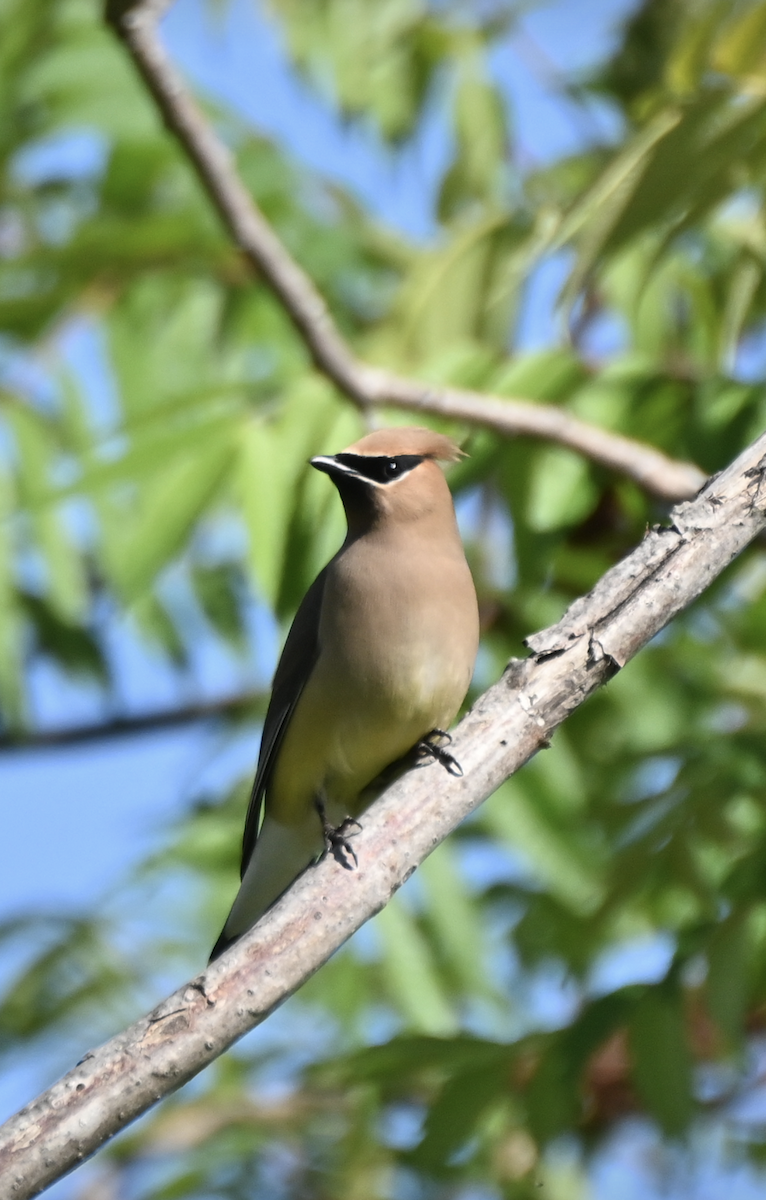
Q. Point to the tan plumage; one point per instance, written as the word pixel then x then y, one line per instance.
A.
pixel 380 653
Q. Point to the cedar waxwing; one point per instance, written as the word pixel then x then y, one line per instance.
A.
pixel 374 669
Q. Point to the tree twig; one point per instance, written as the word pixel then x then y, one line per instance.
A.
pixel 135 22
pixel 229 707
pixel 113 1085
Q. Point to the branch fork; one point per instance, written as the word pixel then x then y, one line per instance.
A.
pixel 135 23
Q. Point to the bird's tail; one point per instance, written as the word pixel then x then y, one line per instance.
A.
pixel 280 855
pixel 222 944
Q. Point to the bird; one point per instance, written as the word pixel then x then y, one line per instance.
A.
pixel 374 670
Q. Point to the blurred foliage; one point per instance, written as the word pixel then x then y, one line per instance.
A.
pixel 592 945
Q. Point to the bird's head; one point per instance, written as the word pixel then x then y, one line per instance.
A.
pixel 392 474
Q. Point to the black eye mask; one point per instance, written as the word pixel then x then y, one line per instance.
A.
pixel 380 470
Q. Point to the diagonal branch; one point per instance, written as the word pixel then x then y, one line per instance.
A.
pixel 135 22
pixel 114 1084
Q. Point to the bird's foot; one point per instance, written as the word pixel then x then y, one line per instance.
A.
pixel 336 842
pixel 336 838
pixel 433 746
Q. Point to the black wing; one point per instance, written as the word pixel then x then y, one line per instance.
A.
pixel 295 665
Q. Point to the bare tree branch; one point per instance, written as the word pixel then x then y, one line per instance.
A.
pixel 135 22
pixel 113 1085
pixel 229 707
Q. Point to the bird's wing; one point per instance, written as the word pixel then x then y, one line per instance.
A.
pixel 293 670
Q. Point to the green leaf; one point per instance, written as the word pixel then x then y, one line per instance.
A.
pixel 675 171
pixel 727 986
pixel 452 1119
pixel 597 214
pixel 549 375
pixel 378 59
pixel 219 591
pixel 168 512
pixel 552 1098
pixel 71 646
pixel 410 974
pixel 157 625
pixel 72 978
pixel 456 921
pixel 741 48
pixel 66 584
pixel 745 280
pixel 481 141
pixel 445 297
pixel 266 485
pixel 662 1066
pixel 408 1056
pixel 561 490
pixel 511 815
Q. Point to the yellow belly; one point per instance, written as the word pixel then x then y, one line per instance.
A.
pixel 341 737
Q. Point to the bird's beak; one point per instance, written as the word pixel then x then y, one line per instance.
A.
pixel 331 466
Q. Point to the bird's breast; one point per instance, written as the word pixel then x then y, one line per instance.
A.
pixel 403 637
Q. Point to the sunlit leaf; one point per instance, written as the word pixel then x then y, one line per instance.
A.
pixel 410 974
pixel 178 496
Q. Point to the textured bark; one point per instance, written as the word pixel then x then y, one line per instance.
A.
pixel 135 22
pixel 117 1082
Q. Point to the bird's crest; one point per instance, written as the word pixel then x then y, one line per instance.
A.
pixel 408 439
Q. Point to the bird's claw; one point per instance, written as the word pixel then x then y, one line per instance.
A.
pixel 431 747
pixel 336 841
pixel 336 836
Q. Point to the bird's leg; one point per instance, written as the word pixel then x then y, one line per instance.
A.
pixel 336 837
pixel 431 747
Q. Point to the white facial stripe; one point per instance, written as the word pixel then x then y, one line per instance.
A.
pixel 332 464
pixel 376 470
pixel 379 469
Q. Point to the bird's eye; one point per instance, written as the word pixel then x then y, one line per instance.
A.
pixel 392 468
